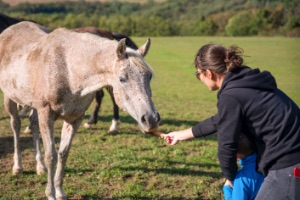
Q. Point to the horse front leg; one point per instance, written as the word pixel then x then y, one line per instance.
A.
pixel 116 118
pixel 34 127
pixel 94 116
pixel 15 123
pixel 46 123
pixel 67 134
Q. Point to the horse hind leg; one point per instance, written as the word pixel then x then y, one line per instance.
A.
pixel 34 127
pixel 113 129
pixel 94 116
pixel 15 122
pixel 46 123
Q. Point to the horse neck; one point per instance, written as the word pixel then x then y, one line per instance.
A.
pixel 97 70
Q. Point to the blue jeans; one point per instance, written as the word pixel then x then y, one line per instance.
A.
pixel 280 185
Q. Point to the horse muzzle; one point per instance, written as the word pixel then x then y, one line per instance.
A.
pixel 150 122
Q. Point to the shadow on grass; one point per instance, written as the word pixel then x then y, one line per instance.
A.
pixel 77 171
pixel 5 117
pixel 128 119
pixel 173 163
pixel 95 197
pixel 174 171
pixel 7 144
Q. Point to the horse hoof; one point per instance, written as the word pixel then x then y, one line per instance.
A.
pixel 27 130
pixel 87 125
pixel 17 171
pixel 60 194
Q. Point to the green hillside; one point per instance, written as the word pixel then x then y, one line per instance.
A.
pixel 170 17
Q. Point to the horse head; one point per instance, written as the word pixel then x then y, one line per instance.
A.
pixel 131 85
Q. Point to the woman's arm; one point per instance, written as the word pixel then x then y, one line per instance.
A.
pixel 204 128
pixel 174 137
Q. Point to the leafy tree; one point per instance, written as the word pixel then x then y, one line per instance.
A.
pixel 205 27
pixel 154 26
pixel 242 24
pixel 170 17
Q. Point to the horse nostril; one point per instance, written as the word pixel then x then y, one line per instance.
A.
pixel 143 119
pixel 157 117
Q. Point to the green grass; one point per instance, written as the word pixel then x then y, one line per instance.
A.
pixel 132 165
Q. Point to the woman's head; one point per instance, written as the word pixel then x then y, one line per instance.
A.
pixel 214 61
pixel 218 59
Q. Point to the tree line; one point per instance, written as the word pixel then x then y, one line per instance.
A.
pixel 169 18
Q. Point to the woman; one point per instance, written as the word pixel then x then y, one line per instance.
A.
pixel 249 102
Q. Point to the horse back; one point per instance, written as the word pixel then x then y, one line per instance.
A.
pixel 16 44
pixel 19 39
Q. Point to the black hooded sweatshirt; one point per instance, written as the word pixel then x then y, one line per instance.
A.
pixel 250 102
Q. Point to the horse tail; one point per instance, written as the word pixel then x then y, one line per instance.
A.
pixel 6 21
pixel 129 42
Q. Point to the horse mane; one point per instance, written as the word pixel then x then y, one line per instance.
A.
pixel 95 31
pixel 128 41
pixel 107 34
pixel 138 60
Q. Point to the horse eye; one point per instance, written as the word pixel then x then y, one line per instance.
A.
pixel 150 77
pixel 122 79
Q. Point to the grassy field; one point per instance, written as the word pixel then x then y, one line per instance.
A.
pixel 132 165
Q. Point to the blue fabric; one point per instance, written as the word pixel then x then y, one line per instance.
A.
pixel 247 181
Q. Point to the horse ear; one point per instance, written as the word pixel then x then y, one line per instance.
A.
pixel 121 49
pixel 143 50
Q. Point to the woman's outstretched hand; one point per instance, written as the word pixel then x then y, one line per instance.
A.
pixel 171 138
pixel 174 137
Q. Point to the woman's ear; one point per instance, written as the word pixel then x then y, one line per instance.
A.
pixel 209 74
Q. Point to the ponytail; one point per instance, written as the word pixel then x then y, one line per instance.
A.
pixel 219 59
pixel 233 58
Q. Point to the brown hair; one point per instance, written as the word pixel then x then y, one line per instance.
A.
pixel 244 145
pixel 219 59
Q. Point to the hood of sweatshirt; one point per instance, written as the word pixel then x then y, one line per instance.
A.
pixel 245 77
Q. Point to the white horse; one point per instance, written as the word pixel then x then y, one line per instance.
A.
pixel 58 73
